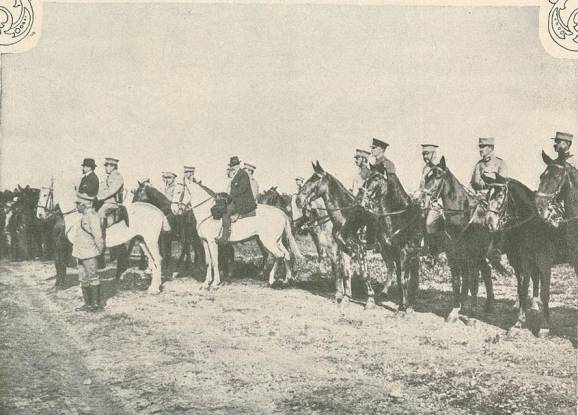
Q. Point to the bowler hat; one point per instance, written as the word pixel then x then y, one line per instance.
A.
pixel 234 161
pixel 89 163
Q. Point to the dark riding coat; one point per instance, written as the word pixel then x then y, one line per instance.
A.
pixel 242 199
pixel 89 184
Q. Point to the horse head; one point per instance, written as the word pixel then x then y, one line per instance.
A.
pixel 497 214
pixel 552 188
pixel 181 199
pixel 374 188
pixel 45 203
pixel 314 187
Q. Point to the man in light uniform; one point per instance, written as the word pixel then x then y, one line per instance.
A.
pixel 111 191
pixel 489 164
pixel 169 182
pixel 361 162
pixel 562 144
pixel 249 168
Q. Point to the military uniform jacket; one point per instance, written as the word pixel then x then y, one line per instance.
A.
pixel 241 193
pixel 111 191
pixel 254 187
pixel 387 164
pixel 88 242
pixel 169 191
pixel 491 165
pixel 89 184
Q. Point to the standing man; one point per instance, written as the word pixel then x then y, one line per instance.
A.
pixel 89 182
pixel 88 246
pixel 242 200
pixel 378 148
pixel 361 159
pixel 488 164
pixel 169 181
pixel 111 192
pixel 250 169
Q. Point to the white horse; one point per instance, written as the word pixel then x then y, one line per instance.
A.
pixel 145 220
pixel 269 225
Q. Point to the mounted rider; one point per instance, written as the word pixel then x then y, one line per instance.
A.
pixel 169 184
pixel 111 193
pixel 361 160
pixel 241 197
pixel 89 182
pixel 250 169
pixel 489 164
pixel 385 165
pixel 562 144
pixel 296 213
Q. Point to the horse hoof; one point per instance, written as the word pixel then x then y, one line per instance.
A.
pixel 514 331
pixel 535 304
pixel 154 291
pixel 370 304
pixel 400 314
pixel 543 333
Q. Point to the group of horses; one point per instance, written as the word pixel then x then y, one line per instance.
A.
pixel 537 230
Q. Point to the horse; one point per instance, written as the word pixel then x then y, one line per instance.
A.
pixel 268 226
pixel 316 222
pixel 338 203
pixel 383 196
pixel 145 221
pixel 532 246
pixel 21 225
pixel 557 201
pixel 467 239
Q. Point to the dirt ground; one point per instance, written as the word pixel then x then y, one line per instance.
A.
pixel 250 349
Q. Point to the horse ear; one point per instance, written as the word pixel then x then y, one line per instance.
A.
pixel 442 162
pixel 314 167
pixel 547 159
pixel 319 167
pixel 20 188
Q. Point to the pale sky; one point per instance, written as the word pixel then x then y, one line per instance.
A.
pixel 159 86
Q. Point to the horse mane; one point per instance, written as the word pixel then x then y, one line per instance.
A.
pixel 158 199
pixel 457 189
pixel 344 196
pixel 395 187
pixel 524 196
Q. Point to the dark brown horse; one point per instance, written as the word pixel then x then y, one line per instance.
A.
pixel 532 246
pixel 382 200
pixel 557 201
pixel 467 239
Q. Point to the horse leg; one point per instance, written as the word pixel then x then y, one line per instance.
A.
pixel 154 256
pixel 346 267
pixel 486 272
pixel 456 271
pixel 214 252
pixel 522 289
pixel 336 268
pixel 535 291
pixel 265 254
pixel 209 270
pixel 273 247
pixel 121 260
pixel 413 285
pixel 545 297
pixel 370 302
pixel 287 261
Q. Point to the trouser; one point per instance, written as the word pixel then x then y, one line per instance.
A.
pixel 433 221
pixel 87 272
pixel 104 211
pixel 226 232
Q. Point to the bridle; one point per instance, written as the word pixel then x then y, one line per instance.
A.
pixel 49 202
pixel 555 209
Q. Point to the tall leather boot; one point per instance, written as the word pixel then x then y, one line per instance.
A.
pixel 97 300
pixel 86 295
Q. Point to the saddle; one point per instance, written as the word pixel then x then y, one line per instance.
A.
pixel 118 215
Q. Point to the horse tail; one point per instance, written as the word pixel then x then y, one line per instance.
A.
pixel 289 235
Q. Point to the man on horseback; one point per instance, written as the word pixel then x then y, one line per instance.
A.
pixel 169 181
pixel 384 164
pixel 296 213
pixel 89 182
pixel 111 193
pixel 361 162
pixel 189 175
pixel 241 197
pixel 250 169
pixel 489 164
pixel 88 246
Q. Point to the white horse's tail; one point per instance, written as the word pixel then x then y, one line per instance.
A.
pixel 289 235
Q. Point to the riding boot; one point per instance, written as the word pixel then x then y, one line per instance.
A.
pixel 97 300
pixel 226 231
pixel 86 295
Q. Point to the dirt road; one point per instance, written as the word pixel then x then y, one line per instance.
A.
pixel 250 349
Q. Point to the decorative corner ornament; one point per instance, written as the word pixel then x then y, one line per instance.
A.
pixel 559 27
pixel 20 24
